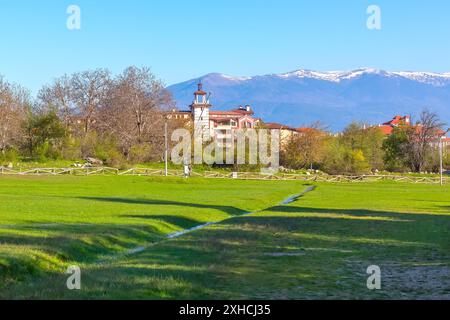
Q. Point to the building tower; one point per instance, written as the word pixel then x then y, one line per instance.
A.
pixel 200 112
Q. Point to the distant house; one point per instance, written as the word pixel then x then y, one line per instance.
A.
pixel 286 132
pixel 388 128
pixel 215 124
pixel 223 124
pixel 445 139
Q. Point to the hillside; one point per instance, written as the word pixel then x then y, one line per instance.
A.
pixel 334 98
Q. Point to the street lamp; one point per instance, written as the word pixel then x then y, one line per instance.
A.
pixel 441 154
pixel 166 149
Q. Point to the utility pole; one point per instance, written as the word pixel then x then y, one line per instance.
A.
pixel 441 155
pixel 166 150
pixel 441 159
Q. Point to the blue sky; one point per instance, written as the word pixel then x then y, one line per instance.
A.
pixel 182 39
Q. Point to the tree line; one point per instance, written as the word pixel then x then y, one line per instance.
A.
pixel 118 119
pixel 360 149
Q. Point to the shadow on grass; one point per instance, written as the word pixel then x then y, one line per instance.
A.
pixel 354 212
pixel 324 259
pixel 234 260
pixel 181 222
pixel 82 243
pixel 153 275
pixel 233 211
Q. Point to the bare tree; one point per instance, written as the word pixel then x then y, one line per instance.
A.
pixel 305 148
pixel 420 139
pixel 135 108
pixel 89 92
pixel 14 101
pixel 58 96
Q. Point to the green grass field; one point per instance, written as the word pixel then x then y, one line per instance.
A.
pixel 318 247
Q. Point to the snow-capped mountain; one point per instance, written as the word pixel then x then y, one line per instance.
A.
pixel 437 79
pixel 334 98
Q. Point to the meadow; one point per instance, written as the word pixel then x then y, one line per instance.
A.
pixel 317 247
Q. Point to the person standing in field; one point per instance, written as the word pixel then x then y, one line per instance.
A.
pixel 187 171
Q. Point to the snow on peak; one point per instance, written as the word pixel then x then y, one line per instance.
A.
pixel 334 76
pixel 437 79
pixel 432 78
pixel 327 76
pixel 231 78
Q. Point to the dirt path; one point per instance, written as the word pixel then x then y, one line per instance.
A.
pixel 182 233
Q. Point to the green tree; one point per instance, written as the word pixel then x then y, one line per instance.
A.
pixel 45 136
pixel 341 159
pixel 367 140
pixel 414 147
pixel 394 146
pixel 447 158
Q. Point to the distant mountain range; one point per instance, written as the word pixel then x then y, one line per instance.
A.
pixel 334 98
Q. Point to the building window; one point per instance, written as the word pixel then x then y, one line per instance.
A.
pixel 200 99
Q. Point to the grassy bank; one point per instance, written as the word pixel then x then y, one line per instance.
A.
pixel 47 223
pixel 317 247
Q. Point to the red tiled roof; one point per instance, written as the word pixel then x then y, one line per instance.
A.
pixel 278 126
pixel 233 113
pixel 200 90
pixel 244 111
pixel 306 129
pixel 442 133
pixel 200 93
pixel 397 120
pixel 387 130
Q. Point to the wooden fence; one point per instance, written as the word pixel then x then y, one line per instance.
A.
pixel 326 178
pixel 60 171
pixel 219 175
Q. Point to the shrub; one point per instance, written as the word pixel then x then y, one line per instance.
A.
pixel 90 144
pixel 46 151
pixel 140 153
pixel 10 155
pixel 115 159
pixel 71 149
pixel 340 159
pixel 447 159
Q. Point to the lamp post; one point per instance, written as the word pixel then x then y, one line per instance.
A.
pixel 441 155
pixel 166 150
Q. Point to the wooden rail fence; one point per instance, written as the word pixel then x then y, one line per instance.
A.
pixel 219 175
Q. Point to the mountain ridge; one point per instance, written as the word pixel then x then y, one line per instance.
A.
pixel 334 98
